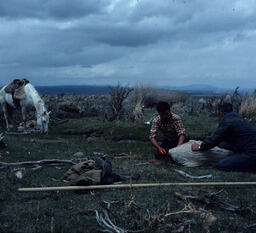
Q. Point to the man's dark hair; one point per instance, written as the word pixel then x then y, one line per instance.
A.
pixel 226 108
pixel 162 106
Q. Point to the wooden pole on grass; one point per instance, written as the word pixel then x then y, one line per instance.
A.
pixel 114 186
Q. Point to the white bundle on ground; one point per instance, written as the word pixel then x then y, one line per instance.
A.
pixel 183 155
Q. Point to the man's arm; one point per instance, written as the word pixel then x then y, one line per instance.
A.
pixel 217 137
pixel 161 150
pixel 152 136
pixel 181 139
pixel 180 129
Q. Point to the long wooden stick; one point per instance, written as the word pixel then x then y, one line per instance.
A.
pixel 66 188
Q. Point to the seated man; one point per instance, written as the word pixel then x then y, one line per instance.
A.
pixel 236 134
pixel 172 128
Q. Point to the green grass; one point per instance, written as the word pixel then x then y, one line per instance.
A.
pixel 71 212
pixel 197 127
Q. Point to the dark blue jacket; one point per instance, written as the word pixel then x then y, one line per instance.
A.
pixel 233 133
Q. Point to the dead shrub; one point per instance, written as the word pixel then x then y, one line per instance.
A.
pixel 118 94
pixel 150 96
pixel 248 107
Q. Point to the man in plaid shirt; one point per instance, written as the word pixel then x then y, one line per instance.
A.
pixel 172 128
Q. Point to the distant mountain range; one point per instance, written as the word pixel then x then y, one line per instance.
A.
pixel 208 89
pixel 87 89
pixel 93 89
pixel 72 89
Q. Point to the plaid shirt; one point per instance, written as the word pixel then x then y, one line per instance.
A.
pixel 171 129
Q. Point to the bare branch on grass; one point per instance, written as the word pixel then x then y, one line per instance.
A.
pixel 161 217
pixel 186 175
pixel 251 227
pixel 105 222
pixel 52 224
pixel 108 226
pixel 48 162
pixel 212 200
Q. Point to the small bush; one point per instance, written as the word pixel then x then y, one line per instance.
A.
pixel 150 95
pixel 118 95
pixel 248 107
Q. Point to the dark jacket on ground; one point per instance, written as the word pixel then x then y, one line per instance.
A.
pixel 233 133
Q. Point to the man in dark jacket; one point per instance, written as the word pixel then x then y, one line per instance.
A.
pixel 236 134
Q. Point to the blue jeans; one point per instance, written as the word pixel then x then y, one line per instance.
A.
pixel 238 163
pixel 167 145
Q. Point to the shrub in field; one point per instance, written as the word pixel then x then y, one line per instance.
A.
pixel 118 95
pixel 248 107
pixel 236 100
pixel 211 104
pixel 94 105
pixel 194 106
pixel 150 95
pixel 73 106
pixel 68 106
pixel 136 101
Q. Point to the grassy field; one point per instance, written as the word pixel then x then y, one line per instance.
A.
pixel 134 209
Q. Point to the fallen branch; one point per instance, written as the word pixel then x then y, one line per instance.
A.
pixel 66 188
pixel 160 217
pixel 36 163
pixel 251 227
pixel 139 164
pixel 124 155
pixel 192 177
pixel 121 156
pixel 17 133
pixel 108 226
pixel 212 200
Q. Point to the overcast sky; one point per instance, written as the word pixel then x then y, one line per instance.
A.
pixel 156 42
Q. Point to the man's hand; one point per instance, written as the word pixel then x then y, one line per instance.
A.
pixel 195 147
pixel 161 150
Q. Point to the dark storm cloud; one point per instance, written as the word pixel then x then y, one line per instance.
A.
pixel 152 21
pixel 38 45
pixel 130 36
pixel 59 9
pixel 171 41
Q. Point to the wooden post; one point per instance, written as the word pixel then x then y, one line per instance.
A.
pixel 66 188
